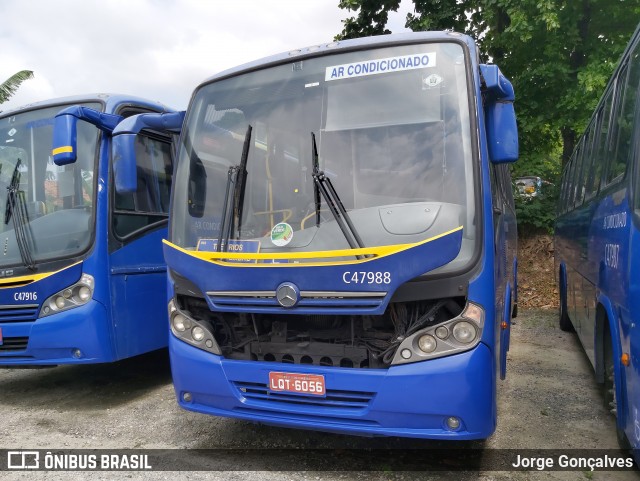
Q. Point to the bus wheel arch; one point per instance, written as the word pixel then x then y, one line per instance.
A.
pixel 563 314
pixel 609 373
pixel 514 310
pixel 602 321
pixel 505 333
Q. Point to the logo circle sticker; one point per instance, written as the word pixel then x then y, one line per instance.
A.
pixel 281 234
pixel 432 81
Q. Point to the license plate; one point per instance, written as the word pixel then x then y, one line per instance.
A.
pixel 297 383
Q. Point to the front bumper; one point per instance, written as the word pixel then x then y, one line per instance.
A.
pixel 412 400
pixel 52 340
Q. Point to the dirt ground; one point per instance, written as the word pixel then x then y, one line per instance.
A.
pixel 549 400
pixel 537 283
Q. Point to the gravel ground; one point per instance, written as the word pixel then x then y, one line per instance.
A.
pixel 549 400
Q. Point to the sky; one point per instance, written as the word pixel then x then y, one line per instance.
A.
pixel 157 49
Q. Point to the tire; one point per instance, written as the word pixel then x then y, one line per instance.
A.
pixel 564 321
pixel 609 389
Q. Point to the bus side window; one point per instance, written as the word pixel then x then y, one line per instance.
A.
pixel 150 203
pixel 587 163
pixel 593 180
pixel 563 192
pixel 507 188
pixel 563 180
pixel 602 146
pixel 501 193
pixel 568 200
pixel 579 175
pixel 494 184
pixel 616 162
pixel 626 121
pixel 502 170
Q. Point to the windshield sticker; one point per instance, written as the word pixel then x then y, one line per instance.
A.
pixel 34 124
pixel 431 81
pixel 281 234
pixel 12 132
pixel 236 246
pixel 381 65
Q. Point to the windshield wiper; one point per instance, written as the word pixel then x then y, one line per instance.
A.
pixel 11 192
pixel 322 185
pixel 315 168
pixel 16 209
pixel 236 176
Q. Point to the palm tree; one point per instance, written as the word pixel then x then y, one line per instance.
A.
pixel 9 86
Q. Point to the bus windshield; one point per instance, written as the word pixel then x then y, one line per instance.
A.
pixel 391 127
pixel 46 211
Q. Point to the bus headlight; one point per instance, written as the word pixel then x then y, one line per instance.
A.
pixel 451 337
pixel 464 332
pixel 60 302
pixel 84 293
pixel 197 333
pixel 427 343
pixel 194 332
pixel 73 296
pixel 179 322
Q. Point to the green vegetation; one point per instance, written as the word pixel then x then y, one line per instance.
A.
pixel 9 86
pixel 558 54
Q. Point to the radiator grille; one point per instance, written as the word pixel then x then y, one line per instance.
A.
pixel 334 398
pixel 18 313
pixel 266 302
pixel 10 344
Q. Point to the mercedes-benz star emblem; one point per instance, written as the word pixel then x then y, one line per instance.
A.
pixel 287 294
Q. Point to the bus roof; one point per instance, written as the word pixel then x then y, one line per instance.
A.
pixel 343 45
pixel 109 100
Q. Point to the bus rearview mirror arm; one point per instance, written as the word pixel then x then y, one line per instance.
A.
pixel 65 129
pixel 124 142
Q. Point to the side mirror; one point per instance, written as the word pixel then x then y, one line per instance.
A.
pixel 65 130
pixel 500 116
pixel 502 133
pixel 124 145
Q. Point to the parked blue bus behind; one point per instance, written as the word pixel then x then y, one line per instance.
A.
pixel 81 266
pixel 341 248
pixel 597 244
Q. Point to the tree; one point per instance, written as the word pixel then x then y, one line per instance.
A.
pixel 439 15
pixel 559 55
pixel 371 20
pixel 9 86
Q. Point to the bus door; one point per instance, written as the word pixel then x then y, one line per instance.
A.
pixel 138 271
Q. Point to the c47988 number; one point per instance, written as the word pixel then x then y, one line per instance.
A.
pixel 364 277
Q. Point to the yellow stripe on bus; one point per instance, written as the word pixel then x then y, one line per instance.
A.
pixel 28 279
pixel 375 252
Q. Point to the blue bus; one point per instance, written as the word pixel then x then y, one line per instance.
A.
pixel 597 244
pixel 81 266
pixel 342 237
